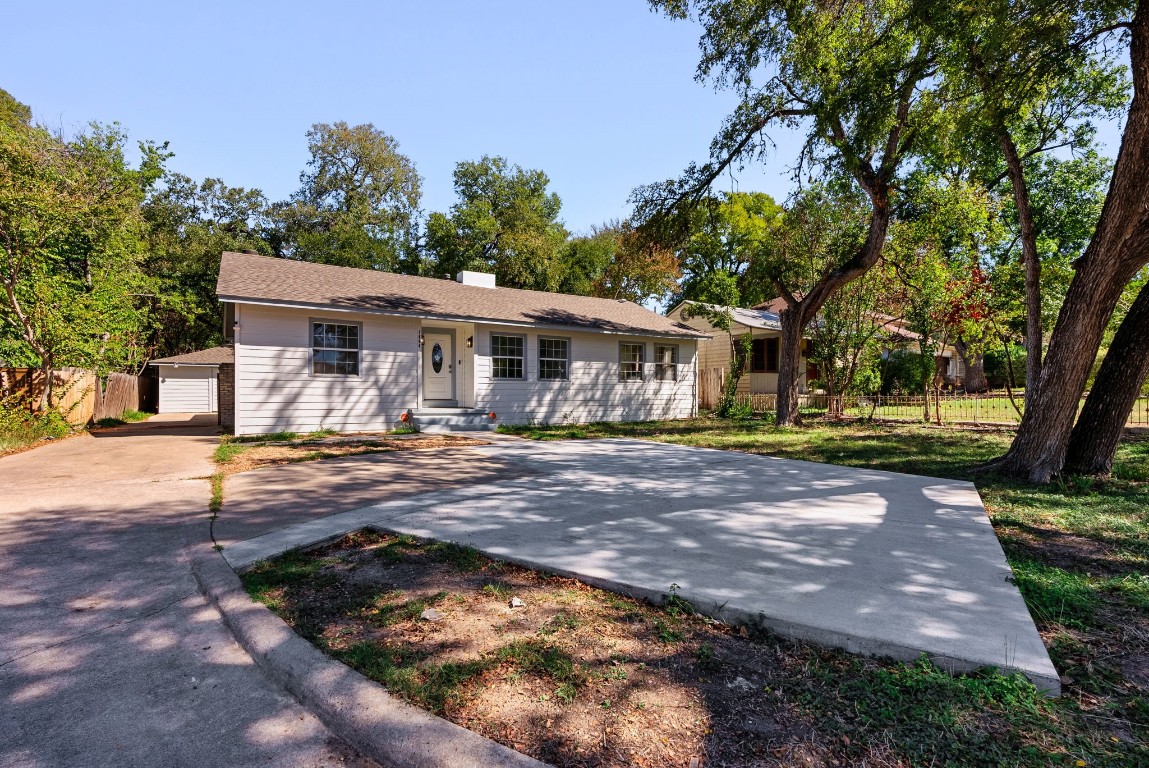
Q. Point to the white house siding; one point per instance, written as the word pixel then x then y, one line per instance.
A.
pixel 276 391
pixel 593 391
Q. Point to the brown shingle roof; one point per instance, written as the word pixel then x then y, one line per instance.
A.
pixel 213 356
pixel 249 277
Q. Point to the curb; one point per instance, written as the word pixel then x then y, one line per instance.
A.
pixel 354 708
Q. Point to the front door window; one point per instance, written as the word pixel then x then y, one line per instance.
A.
pixel 438 366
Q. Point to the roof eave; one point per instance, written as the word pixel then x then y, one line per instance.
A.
pixel 697 335
pixel 187 365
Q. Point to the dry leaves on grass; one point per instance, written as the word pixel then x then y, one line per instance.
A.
pixel 256 456
pixel 578 677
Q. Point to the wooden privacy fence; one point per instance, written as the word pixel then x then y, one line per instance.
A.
pixel 73 391
pixel 119 394
pixel 710 387
pixel 76 393
pixel 982 408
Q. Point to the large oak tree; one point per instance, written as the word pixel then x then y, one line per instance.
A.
pixel 1119 248
pixel 857 77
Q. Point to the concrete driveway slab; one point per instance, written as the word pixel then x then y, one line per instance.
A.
pixel 271 498
pixel 875 562
pixel 108 654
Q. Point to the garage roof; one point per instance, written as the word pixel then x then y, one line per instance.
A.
pixel 214 356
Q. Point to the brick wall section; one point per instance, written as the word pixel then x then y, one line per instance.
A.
pixel 227 397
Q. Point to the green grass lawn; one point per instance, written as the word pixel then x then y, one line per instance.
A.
pixel 1079 550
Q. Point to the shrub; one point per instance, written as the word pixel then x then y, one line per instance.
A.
pixel 906 371
pixel 997 368
pixel 20 427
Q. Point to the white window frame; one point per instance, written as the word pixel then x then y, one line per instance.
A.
pixel 521 358
pixel 626 375
pixel 566 360
pixel 661 367
pixel 312 349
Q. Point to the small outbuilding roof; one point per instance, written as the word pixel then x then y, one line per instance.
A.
pixel 213 356
pixel 259 279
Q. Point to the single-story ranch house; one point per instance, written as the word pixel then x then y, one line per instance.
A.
pixel 324 347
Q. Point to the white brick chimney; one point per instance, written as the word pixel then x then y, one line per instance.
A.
pixel 481 279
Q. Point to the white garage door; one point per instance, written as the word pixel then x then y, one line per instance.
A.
pixel 188 388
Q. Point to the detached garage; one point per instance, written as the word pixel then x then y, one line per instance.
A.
pixel 190 383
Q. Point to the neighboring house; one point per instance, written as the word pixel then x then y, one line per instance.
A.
pixel 326 347
pixel 948 361
pixel 765 327
pixel 761 376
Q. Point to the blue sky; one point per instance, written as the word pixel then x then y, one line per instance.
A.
pixel 598 94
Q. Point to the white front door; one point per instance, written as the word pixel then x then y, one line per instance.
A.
pixel 438 367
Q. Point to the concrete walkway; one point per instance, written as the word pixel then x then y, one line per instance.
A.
pixel 108 654
pixel 871 561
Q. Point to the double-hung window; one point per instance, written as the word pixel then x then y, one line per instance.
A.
pixel 507 353
pixel 630 360
pixel 554 358
pixel 334 349
pixel 666 362
pixel 764 355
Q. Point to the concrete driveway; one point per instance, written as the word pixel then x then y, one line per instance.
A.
pixel 876 562
pixel 108 654
pixel 110 657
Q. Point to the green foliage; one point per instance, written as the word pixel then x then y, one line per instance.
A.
pixel 725 232
pixel 906 372
pixel 824 224
pixel 270 437
pixel 20 427
pixel 189 225
pixel 505 222
pixel 12 112
pixel 290 569
pixel 997 368
pixel 466 559
pixel 614 262
pixel 728 403
pixel 1054 595
pixel 226 451
pixel 402 672
pixel 72 242
pixel 357 205
pixel 850 335
pixel 1066 195
pixel 127 417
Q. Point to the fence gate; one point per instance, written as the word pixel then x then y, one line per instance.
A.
pixel 710 387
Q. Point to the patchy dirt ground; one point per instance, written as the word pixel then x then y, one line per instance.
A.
pixel 583 677
pixel 243 458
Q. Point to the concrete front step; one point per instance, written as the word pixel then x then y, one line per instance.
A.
pixel 433 420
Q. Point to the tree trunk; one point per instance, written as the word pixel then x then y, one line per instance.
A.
pixel 1120 246
pixel 974 362
pixel 1033 333
pixel 800 312
pixel 1094 440
pixel 788 372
